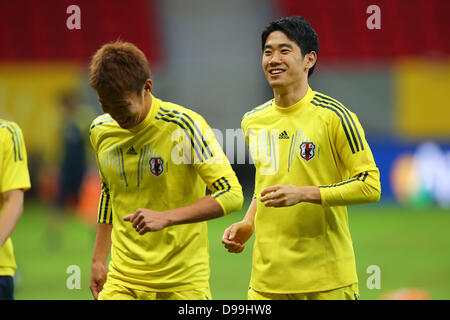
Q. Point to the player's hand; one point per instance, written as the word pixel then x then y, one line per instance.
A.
pixel 99 272
pixel 145 220
pixel 236 235
pixel 288 195
pixel 281 195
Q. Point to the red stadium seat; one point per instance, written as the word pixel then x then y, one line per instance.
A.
pixel 31 30
pixel 408 28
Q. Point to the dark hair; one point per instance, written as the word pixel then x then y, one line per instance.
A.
pixel 298 30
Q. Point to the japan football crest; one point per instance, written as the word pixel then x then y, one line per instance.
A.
pixel 156 166
pixel 307 150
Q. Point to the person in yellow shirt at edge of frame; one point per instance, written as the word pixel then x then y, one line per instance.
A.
pixel 14 180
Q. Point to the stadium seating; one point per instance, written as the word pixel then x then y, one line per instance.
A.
pixel 39 32
pixel 408 28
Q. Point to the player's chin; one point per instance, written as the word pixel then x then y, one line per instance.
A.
pixel 126 125
pixel 275 83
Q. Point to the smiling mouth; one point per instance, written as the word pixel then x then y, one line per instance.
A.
pixel 123 121
pixel 275 72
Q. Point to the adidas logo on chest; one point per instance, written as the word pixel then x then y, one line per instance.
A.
pixel 131 150
pixel 283 135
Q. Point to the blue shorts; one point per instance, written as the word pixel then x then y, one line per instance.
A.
pixel 6 288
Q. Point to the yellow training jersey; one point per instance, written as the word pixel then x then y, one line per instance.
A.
pixel 165 162
pixel 315 142
pixel 13 175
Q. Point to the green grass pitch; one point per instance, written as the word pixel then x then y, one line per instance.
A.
pixel 410 247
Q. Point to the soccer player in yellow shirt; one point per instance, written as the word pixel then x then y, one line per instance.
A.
pixel 155 160
pixel 14 180
pixel 312 160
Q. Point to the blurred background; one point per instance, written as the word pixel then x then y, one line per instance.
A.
pixel 390 66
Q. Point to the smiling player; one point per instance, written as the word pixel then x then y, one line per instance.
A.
pixel 155 160
pixel 312 160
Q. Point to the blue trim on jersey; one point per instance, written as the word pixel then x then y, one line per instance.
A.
pixel 345 182
pixel 265 105
pixel 290 150
pixel 184 128
pixel 16 142
pixel 228 187
pixel 190 128
pixel 100 123
pixel 118 166
pixel 105 214
pixel 365 176
pixel 138 169
pixel 123 168
pixel 195 127
pixel 342 121
pixel 336 103
pixel 103 208
pixel 100 210
pixel 340 184
pixel 216 186
pixel 273 153
pixel 346 119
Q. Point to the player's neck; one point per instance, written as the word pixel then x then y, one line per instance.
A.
pixel 147 107
pixel 290 95
pixel 143 121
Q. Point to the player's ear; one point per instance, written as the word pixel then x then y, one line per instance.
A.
pixel 148 85
pixel 310 59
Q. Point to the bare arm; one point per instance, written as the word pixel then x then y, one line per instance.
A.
pixel 102 244
pixel 10 214
pixel 145 220
pixel 99 268
pixel 289 195
pixel 204 209
pixel 251 212
pixel 236 235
